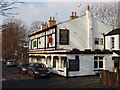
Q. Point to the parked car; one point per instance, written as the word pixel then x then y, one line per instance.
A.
pixel 5 61
pixel 10 63
pixel 23 67
pixel 2 59
pixel 38 70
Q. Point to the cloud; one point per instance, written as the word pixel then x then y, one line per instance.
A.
pixel 39 11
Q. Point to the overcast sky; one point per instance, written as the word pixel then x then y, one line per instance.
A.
pixel 38 10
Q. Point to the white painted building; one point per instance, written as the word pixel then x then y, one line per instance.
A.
pixel 112 42
pixel 71 48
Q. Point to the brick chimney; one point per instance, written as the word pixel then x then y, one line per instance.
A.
pixel 73 16
pixel 43 25
pixel 51 22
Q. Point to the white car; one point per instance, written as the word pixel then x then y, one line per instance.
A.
pixel 10 63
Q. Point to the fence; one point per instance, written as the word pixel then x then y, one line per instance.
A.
pixel 110 78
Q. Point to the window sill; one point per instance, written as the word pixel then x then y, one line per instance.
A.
pixel 61 70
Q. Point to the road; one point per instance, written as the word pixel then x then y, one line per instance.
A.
pixel 12 79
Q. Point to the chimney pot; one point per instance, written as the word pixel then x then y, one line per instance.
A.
pixel 51 22
pixel 88 7
pixel 43 25
pixel 74 15
pixel 43 22
pixel 52 18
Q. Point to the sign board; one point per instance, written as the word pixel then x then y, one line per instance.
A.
pixel 64 37
pixel 73 64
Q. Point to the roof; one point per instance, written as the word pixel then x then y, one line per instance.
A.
pixel 40 31
pixel 73 52
pixel 113 32
pixel 117 51
pixel 51 27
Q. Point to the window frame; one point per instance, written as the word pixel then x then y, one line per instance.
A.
pixel 98 60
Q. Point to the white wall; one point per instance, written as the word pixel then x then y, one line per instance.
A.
pixel 108 42
pixel 109 63
pixel 87 64
pixel 98 29
pixel 78 33
pixel 83 31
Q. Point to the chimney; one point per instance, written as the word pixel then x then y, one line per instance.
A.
pixel 51 22
pixel 88 7
pixel 43 25
pixel 73 16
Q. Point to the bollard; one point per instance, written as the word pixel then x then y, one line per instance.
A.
pixel 104 77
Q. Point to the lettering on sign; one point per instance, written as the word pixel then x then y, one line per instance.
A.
pixel 64 37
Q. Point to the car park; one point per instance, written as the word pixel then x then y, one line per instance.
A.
pixel 23 67
pixel 10 63
pixel 38 70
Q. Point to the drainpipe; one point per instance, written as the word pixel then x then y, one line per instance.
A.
pixel 104 40
pixel 67 70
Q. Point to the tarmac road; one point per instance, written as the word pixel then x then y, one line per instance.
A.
pixel 12 79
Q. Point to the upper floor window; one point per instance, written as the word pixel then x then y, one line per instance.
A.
pixel 112 42
pixel 99 41
pixel 50 41
pixel 35 43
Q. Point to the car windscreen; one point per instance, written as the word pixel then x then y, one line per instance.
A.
pixel 11 61
pixel 25 65
pixel 40 66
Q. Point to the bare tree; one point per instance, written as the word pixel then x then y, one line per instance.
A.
pixel 107 12
pixel 13 33
pixel 35 26
pixel 6 6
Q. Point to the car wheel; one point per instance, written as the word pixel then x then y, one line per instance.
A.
pixel 18 71
pixel 48 76
pixel 34 76
pixel 29 73
pixel 21 72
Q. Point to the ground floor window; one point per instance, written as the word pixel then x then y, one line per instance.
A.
pixel 39 60
pixel 55 58
pixel 49 60
pixel 63 61
pixel 74 64
pixel 98 61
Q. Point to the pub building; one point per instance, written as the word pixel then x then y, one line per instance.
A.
pixel 71 48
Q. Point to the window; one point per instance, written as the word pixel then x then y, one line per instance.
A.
pixel 115 64
pixel 74 64
pixel 96 40
pixel 63 62
pixel 112 42
pixel 98 61
pixel 100 64
pixel 50 41
pixel 35 43
pixel 99 41
pixel 55 58
pixel 49 60
pixel 95 64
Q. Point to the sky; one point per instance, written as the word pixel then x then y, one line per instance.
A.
pixel 41 10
